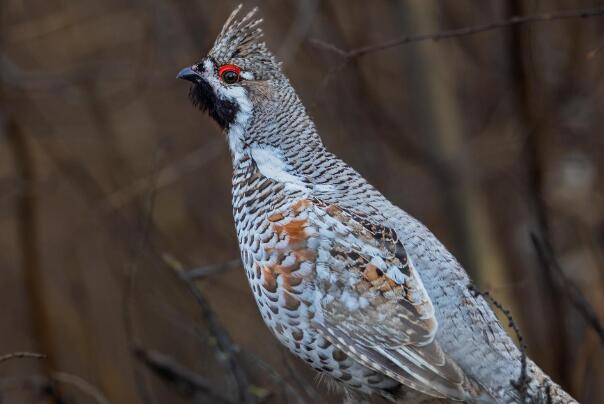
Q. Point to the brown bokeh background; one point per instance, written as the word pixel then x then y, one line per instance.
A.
pixel 112 185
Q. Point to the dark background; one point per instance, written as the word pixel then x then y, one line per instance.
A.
pixel 112 184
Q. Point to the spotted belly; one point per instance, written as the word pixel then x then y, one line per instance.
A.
pixel 280 262
pixel 294 330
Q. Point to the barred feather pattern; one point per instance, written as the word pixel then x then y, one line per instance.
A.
pixel 347 281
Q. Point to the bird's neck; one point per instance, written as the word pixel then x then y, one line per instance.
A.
pixel 277 121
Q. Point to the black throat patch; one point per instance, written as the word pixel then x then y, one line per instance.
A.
pixel 222 111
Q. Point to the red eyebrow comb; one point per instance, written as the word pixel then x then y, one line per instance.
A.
pixel 225 68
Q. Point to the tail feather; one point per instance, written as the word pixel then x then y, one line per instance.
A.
pixel 541 389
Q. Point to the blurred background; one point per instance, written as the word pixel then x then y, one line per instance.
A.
pixel 118 256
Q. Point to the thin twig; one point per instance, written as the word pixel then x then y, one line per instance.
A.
pixel 460 32
pixel 132 270
pixel 593 53
pixel 208 270
pixel 82 385
pixel 223 340
pixel 164 176
pixel 293 394
pixel 550 262
pixel 17 355
pixel 47 386
pixel 28 228
pixel 523 380
pixel 224 343
pixel 308 388
pixel 189 383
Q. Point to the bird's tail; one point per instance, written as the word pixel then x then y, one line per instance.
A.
pixel 537 387
pixel 534 387
pixel 475 395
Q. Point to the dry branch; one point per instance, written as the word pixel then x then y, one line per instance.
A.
pixel 224 343
pixel 18 355
pixel 550 263
pixel 189 383
pixel 82 385
pixel 200 273
pixel 460 32
pixel 165 176
pixel 46 386
pixel 223 340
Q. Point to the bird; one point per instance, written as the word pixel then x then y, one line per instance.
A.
pixel 347 281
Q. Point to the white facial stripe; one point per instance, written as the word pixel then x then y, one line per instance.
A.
pixel 242 119
pixel 209 74
pixel 235 94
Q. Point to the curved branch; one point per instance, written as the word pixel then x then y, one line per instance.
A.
pixel 460 32
pixel 18 355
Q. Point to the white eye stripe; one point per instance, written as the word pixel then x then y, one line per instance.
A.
pixel 210 70
pixel 208 66
pixel 237 94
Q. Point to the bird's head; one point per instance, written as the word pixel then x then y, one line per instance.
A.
pixel 236 72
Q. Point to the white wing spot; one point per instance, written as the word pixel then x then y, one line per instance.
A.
pixel 271 165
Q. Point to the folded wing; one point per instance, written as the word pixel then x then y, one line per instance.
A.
pixel 367 298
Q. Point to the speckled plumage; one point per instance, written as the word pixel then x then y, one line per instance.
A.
pixel 347 281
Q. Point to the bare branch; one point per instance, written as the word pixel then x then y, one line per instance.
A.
pixel 18 355
pixel 224 343
pixel 550 262
pixel 223 340
pixel 307 388
pixel 47 386
pixel 23 79
pixel 131 273
pixel 188 383
pixel 165 176
pixel 200 273
pixel 277 378
pixel 28 229
pixel 82 385
pixel 459 32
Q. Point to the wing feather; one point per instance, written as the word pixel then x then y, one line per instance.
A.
pixel 380 302
pixel 369 299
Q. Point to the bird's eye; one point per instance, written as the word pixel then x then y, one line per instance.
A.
pixel 229 73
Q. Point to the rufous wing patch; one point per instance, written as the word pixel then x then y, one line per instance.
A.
pixel 301 205
pixel 294 229
pixel 275 217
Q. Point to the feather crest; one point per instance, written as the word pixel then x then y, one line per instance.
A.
pixel 240 42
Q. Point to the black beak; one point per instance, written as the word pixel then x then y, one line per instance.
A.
pixel 188 74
